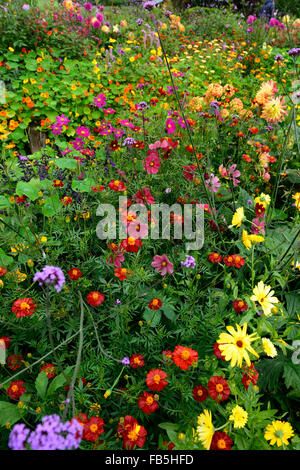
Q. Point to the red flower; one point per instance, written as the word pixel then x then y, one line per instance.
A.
pixel 238 261
pixel 82 418
pixel 58 184
pixel 122 273
pixel 251 376
pixel 155 380
pixel 217 352
pixel 184 357
pixel 132 433
pixel 240 306
pixel 215 258
pixel 93 428
pixel 66 201
pixel 228 260
pixel 200 393
pixel 131 244
pixel 95 298
pixel 5 340
pixel 23 307
pixel 218 388
pixel 50 370
pixel 16 389
pixel 136 361
pixel 14 361
pixel 155 304
pixel 2 271
pixel 114 145
pixel 260 210
pixel 221 441
pixel 75 274
pixel 169 444
pixel 117 185
pixel 147 403
pixel 167 356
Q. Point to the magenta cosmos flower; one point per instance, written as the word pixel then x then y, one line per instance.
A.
pixel 170 126
pixel 162 264
pixel 152 164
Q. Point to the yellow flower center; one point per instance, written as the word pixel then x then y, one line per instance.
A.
pixel 93 428
pixel 14 388
pixel 156 379
pixel 219 388
pixel 221 444
pixel 185 355
pixel 24 306
pixel 149 400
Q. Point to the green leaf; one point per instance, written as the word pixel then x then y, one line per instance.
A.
pixel 9 413
pixel 152 316
pixel 4 202
pixel 58 381
pixel 41 384
pixel 27 189
pixel 83 186
pixel 291 375
pixel 51 206
pixel 68 163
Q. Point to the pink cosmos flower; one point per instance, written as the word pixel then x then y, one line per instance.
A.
pixel 152 164
pixel 258 226
pixel 235 174
pixel 251 19
pixel 170 126
pixel 162 264
pixel 213 183
pixel 83 131
pixel 138 230
pixel 155 146
pixel 116 259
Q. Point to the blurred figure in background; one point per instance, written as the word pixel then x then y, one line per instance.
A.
pixel 268 9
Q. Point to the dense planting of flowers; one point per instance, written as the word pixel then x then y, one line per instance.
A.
pixel 136 341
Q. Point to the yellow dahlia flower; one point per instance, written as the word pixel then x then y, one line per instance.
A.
pixel 238 217
pixel 239 416
pixel 269 347
pixel 248 239
pixel 274 110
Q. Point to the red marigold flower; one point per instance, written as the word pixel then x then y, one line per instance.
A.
pixel 147 403
pixel 167 356
pixel 220 441
pixel 155 380
pixel 240 306
pixel 23 307
pixel 238 261
pixel 58 184
pixel 14 361
pixel 16 389
pixel 50 370
pixel 82 418
pixel 215 258
pixel 75 274
pixel 122 273
pixel 253 130
pixel 5 340
pixel 217 352
pixel 184 357
pixel 155 304
pixel 218 388
pixel 66 200
pixel 93 428
pixel 95 298
pixel 200 393
pixel 131 244
pixel 136 361
pixel 114 145
pixel 251 376
pixel 2 271
pixel 20 199
pixel 117 185
pixel 228 260
pixel 132 433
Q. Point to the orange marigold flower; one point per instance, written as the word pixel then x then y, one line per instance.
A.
pixel 184 357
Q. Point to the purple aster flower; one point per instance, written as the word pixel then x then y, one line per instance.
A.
pixel 279 57
pixel 26 7
pixel 50 276
pixel 125 361
pixel 53 434
pixel 189 262
pixel 148 5
pixel 118 301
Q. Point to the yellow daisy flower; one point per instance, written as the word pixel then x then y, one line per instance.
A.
pixel 248 239
pixel 264 296
pixel 235 346
pixel 205 429
pixel 278 433
pixel 238 217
